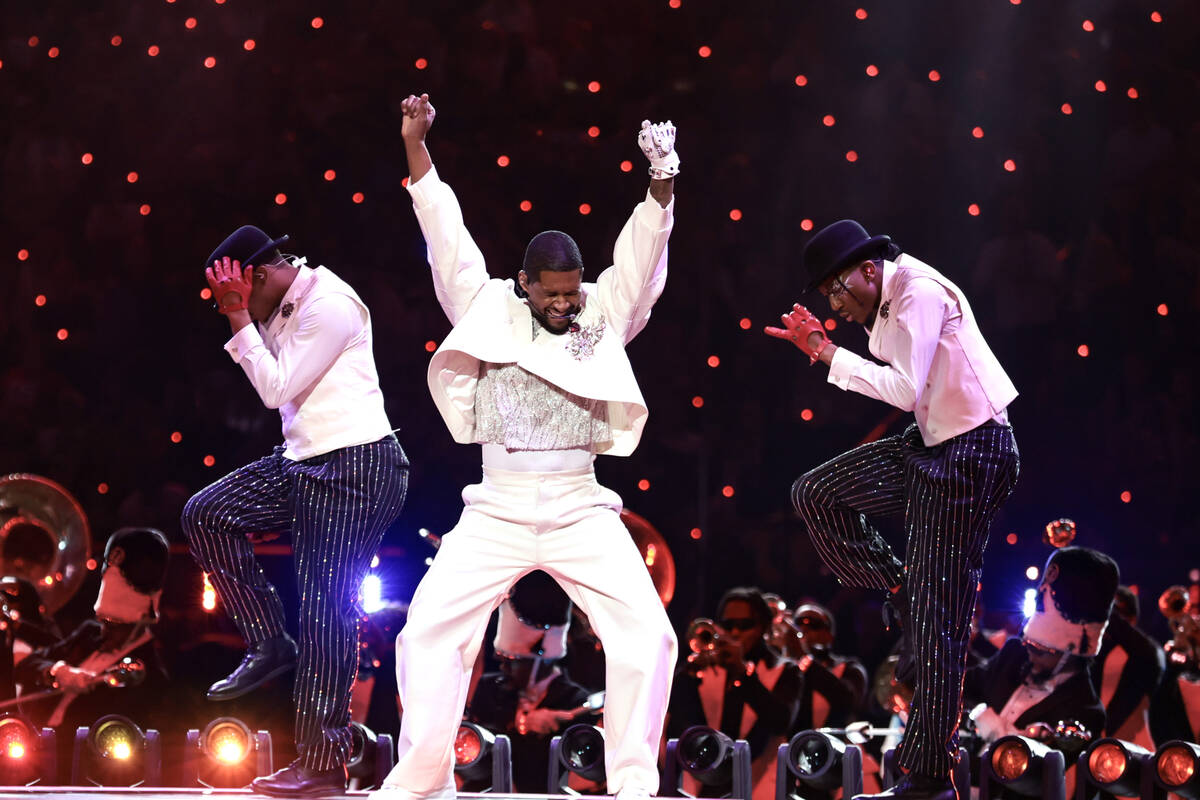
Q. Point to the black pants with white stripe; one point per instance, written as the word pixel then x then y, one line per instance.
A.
pixel 948 494
pixel 336 506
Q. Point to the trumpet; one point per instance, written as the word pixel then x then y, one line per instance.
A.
pixel 703 637
pixel 1184 648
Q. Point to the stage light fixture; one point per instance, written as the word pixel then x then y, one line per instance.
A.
pixel 1116 767
pixel 480 754
pixel 226 754
pixel 371 757
pixel 579 750
pixel 114 751
pixel 712 759
pixel 27 755
pixel 815 760
pixel 1024 766
pixel 1177 768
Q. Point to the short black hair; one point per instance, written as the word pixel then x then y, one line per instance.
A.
pixel 753 597
pixel 551 250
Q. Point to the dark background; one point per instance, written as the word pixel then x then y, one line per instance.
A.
pixel 1097 225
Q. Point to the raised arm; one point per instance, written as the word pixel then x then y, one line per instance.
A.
pixel 631 286
pixel 458 268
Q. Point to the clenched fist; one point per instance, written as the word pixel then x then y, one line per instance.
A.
pixel 658 143
pixel 418 117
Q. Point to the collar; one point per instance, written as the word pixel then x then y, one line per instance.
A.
pixel 887 284
pixel 293 297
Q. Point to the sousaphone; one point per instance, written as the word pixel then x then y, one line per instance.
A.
pixel 44 537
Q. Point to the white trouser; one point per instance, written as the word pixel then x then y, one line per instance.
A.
pixel 566 524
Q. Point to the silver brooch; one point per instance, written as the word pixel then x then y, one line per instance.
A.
pixel 287 309
pixel 581 343
pixel 883 310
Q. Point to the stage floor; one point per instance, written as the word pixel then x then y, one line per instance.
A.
pixel 168 793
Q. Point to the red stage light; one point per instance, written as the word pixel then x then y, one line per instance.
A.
pixel 851 156
pixel 860 13
pixel 828 120
pixel 210 62
pixel 22 254
pixel 1132 93
pixel 209 461
pixel 806 224
pixel 33 41
pixel 735 214
pixel 695 533
pixel 626 166
pixel 1162 309
pixel 1088 25
pixel 317 22
pixel 115 41
pixel 52 52
pixel 102 489
pixel 421 63
pixel 1010 165
pixel 86 158
pixel 249 44
pixel 1101 86
pixel 585 209
pixel 977 132
pixel 206 293
pixel 280 199
pixel 806 414
pixel 132 177
pixel 801 80
pixel 713 361
pixel 644 484
pixel 1083 351
pixel 1155 16
pixel 872 70
pixel 593 86
pixel 62 334
pixel 727 491
pixel 190 23
pixel 502 161
pixel 430 346
pixel 674 3
pixel 526 205
pixel 358 197
pixel 1126 497
pixel 144 209
pixel 594 131
pixel 176 437
pixel 697 402
pixel 705 51
pixel 40 301
pixel 830 324
pixel 934 75
pixel 91 564
pixel 152 50
pixel 1011 538
pixel 330 174
pixel 1066 109
pixel 404 181
pixel 744 323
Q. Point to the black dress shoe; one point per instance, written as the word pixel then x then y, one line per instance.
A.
pixel 896 615
pixel 916 787
pixel 296 780
pixel 262 661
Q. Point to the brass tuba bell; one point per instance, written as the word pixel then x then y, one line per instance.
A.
pixel 44 537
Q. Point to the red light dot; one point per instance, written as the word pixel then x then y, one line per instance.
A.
pixel 872 70
pixel 404 181
pixel 92 564
pixel 593 86
pixel 22 255
pixel 209 461
pixel 1088 25
pixel 1155 16
pixel 206 293
pixel 1162 309
pixel 801 80
pixel 86 158
pixel 977 132
pixel 674 3
pixel 115 41
pixel 210 62
pixel 132 177
pixel 1015 2
pixel 735 214
pixel 40 300
pixel 626 166
pixel 421 63
pixel 430 346
pixel 934 75
pixel 828 120
pixel 697 402
pixel 585 209
pixel 806 224
pixel 1101 86
pixel 526 205
pixel 144 209
pixel 705 51
pixel 1126 496
pixel 502 161
pixel 317 22
pixel 33 41
pixel 695 533
pixel 830 324
pixel 358 197
pixel 643 484
pixel 280 199
pixel 152 50
pixel 1011 538
pixel 744 323
pixel 1083 351
pixel 190 23
pixel 860 13
pixel 973 209
pixel 851 156
pixel 593 131
pixel 713 361
pixel 1066 109
pixel 52 52
pixel 330 174
pixel 1132 93
pixel 176 437
pixel 62 334
pixel 727 491
pixel 806 414
pixel 249 44
pixel 1010 165
pixel 102 488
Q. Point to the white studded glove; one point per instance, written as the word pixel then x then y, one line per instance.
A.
pixel 658 143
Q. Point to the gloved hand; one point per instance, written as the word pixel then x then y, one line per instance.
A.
pixel 988 723
pixel 230 284
pixel 658 143
pixel 541 721
pixel 802 329
pixel 72 679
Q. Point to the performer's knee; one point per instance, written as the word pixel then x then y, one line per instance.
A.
pixel 195 518
pixel 807 492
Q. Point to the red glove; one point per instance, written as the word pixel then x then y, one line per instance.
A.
pixel 230 284
pixel 799 325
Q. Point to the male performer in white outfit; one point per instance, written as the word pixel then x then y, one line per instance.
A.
pixel 542 381
pixel 947 474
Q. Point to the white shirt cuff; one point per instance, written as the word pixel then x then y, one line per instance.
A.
pixel 243 342
pixel 423 191
pixel 843 366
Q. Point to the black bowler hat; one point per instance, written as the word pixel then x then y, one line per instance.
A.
pixel 837 246
pixel 245 244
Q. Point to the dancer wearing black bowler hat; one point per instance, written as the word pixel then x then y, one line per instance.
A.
pixel 303 337
pixel 947 474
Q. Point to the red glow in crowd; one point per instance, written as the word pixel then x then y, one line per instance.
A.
pixel 1126 497
pixel 1083 351
pixel 22 254
pixel 52 52
pixel 330 174
pixel 102 488
pixel 977 132
pixel 190 23
pixel 828 120
pixel 176 437
pixel 674 3
pixel 713 361
pixel 152 50
pixel 934 75
pixel 206 293
pixel 806 224
pixel 1066 109
pixel 744 323
pixel 593 86
pixel 801 80
pixel 421 63
pixel 357 197
pixel 209 461
pixel 851 156
pixel 1155 16
pixel 430 346
pixel 860 13
pixel 643 484
pixel 1162 309
pixel 705 51
pixel 1101 86
pixel 872 70
pixel 33 41
pixel 317 22
pixel 1132 93
pixel 40 300
pixel 594 131
pixel 144 209
pixel 806 415
pixel 727 491
pixel 210 62
pixel 115 41
pixel 830 324
pixel 1010 165
pixel 132 177
pixel 1088 26
pixel 280 199
pixel 249 44
pixel 973 209
pixel 695 533
pixel 526 205
pixel 62 334
pixel 1011 538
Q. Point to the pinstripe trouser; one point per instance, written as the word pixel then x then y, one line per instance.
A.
pixel 336 507
pixel 949 494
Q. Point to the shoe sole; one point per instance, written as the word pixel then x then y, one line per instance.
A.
pixel 330 792
pixel 275 673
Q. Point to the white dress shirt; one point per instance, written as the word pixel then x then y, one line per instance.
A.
pixel 937 363
pixel 312 360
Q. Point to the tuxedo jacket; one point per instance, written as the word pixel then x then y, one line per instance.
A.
pixel 492 324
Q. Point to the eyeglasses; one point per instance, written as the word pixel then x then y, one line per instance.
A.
pixel 1040 649
pixel 740 624
pixel 839 287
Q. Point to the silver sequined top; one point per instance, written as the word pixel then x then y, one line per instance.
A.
pixel 523 411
